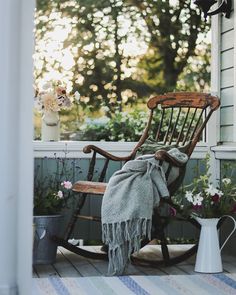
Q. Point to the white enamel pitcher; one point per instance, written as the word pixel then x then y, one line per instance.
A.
pixel 208 258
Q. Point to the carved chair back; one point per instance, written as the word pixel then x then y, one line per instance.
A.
pixel 177 118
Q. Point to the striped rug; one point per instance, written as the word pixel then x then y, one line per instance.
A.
pixel 199 284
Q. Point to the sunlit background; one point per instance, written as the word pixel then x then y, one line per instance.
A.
pixel 117 54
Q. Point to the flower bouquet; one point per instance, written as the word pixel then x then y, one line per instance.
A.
pixel 211 201
pixel 203 199
pixel 51 99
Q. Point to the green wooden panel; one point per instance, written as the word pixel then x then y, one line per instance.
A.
pixel 201 167
pixel 92 231
pixel 174 231
pixel 81 229
pixel 112 168
pixel 194 168
pixel 78 169
pixel 228 169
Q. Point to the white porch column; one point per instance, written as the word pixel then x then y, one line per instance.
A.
pixel 16 157
pixel 213 128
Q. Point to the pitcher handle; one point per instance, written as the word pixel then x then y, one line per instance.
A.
pixel 226 240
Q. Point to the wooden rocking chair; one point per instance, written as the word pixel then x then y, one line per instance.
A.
pixel 187 114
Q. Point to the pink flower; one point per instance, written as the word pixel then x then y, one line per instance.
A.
pixel 66 184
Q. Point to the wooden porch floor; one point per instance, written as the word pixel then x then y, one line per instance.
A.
pixel 71 265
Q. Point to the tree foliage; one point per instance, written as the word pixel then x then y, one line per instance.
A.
pixel 118 51
pixel 196 74
pixel 103 67
pixel 174 27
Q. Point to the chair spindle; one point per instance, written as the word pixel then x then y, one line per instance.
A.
pixel 169 126
pixel 175 125
pixel 91 167
pixel 189 127
pixel 160 125
pixel 182 129
pixel 104 170
pixel 197 124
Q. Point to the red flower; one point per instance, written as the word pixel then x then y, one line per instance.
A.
pixel 215 198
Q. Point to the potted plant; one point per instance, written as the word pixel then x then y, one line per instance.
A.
pixel 51 194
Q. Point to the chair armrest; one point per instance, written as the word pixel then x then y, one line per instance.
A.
pixel 163 155
pixel 89 148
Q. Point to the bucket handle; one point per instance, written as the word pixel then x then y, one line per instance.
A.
pixel 226 240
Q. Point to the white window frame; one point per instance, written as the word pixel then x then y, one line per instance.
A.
pixel 74 149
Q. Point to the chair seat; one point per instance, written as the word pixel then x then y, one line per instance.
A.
pixel 90 187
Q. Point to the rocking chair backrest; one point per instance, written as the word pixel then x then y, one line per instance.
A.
pixel 182 117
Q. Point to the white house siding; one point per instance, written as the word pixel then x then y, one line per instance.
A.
pixel 227 88
pixel 223 83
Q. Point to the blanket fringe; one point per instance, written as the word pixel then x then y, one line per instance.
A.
pixel 123 239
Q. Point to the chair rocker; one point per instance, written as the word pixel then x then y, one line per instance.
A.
pixel 182 118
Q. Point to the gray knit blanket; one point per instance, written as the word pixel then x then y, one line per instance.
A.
pixel 128 203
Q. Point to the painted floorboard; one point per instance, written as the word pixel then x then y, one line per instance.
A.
pixel 64 267
pixel 71 265
pixel 81 264
pixel 45 271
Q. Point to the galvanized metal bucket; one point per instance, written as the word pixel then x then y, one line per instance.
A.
pixel 45 249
